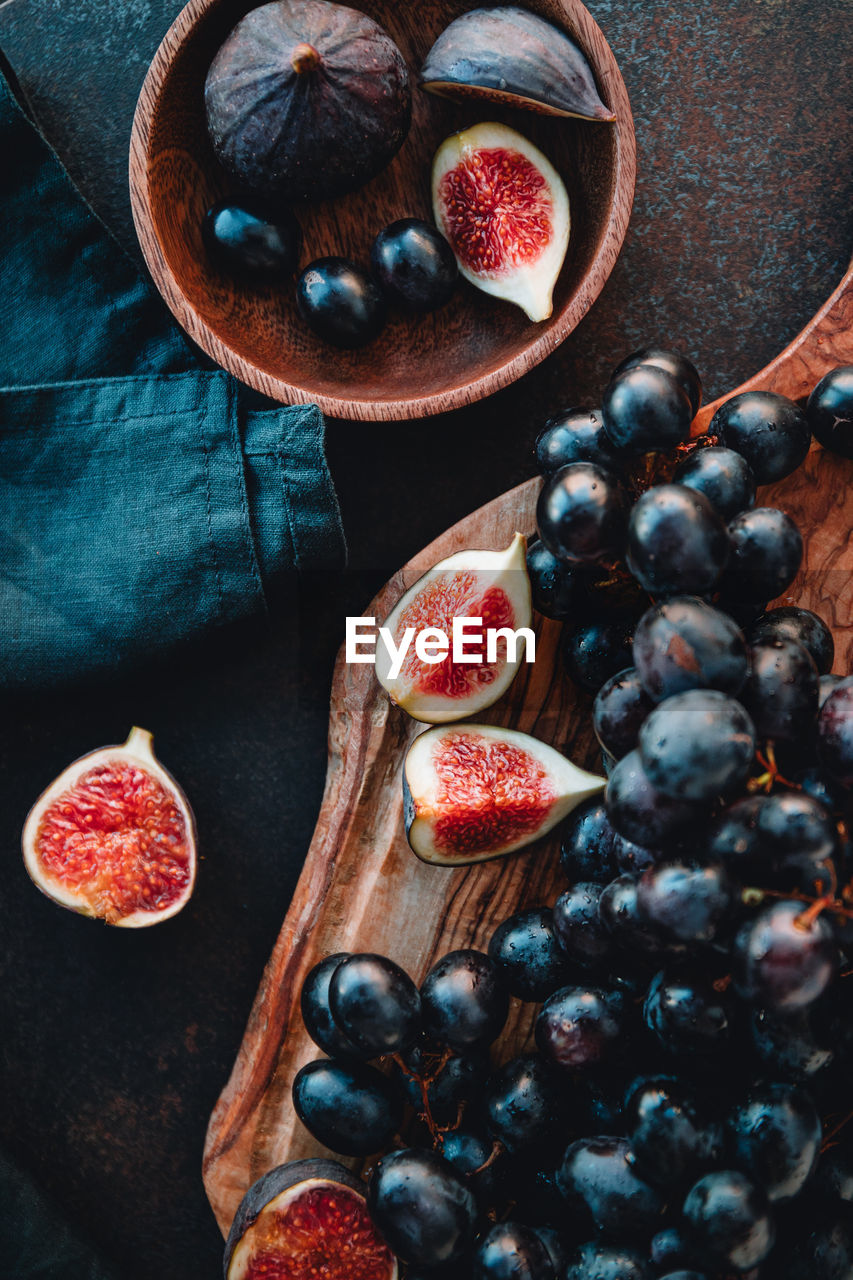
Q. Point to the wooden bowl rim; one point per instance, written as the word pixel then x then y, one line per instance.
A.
pixel 246 370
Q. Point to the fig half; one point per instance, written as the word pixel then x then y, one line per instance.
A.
pixel 490 585
pixel 504 210
pixel 513 56
pixel 114 837
pixel 476 791
pixel 306 1220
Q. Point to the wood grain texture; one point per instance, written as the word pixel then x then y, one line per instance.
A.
pixel 417 366
pixel 363 889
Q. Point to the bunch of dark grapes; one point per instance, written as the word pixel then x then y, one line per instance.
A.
pixel 687 1110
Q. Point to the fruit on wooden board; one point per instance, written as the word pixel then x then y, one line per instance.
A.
pixel 307 100
pixel 505 211
pixel 491 585
pixel 512 56
pixel 306 1220
pixel 475 791
pixel 114 837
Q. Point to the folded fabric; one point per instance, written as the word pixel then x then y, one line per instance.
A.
pixel 142 502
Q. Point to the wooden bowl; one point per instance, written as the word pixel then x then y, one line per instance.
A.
pixel 420 365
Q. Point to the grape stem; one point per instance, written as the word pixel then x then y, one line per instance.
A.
pixel 424 1080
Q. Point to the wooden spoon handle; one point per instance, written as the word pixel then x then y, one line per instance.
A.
pixel 824 343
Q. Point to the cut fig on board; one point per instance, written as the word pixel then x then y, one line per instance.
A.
pixel 490 585
pixel 476 791
pixel 504 210
pixel 114 837
pixel 306 1220
pixel 510 55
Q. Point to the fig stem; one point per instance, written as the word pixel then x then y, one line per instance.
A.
pixel 139 742
pixel 304 58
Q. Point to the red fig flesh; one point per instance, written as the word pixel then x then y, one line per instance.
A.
pixel 504 210
pixel 306 1220
pixel 113 837
pixel 491 585
pixel 476 791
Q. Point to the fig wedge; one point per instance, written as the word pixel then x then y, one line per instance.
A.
pixel 477 791
pixel 504 210
pixel 114 837
pixel 510 55
pixel 490 585
pixel 306 1220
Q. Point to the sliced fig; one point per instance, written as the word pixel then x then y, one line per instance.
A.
pixel 114 837
pixel 476 791
pixel 306 1220
pixel 504 210
pixel 511 55
pixel 491 585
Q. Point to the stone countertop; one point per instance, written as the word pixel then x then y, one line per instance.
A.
pixel 116 1046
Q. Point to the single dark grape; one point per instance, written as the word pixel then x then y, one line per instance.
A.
pixel 770 431
pixel 574 436
pixel 464 1001
pixel 579 929
pixel 375 1003
pixel 767 550
pixel 511 1251
pixel 528 957
pixel 783 960
pixel 250 244
pixel 588 844
pixel 554 586
pixel 830 411
pixel 600 1173
pixel 348 1106
pixel 644 409
pixel 688 1014
pixel 673 1252
pixel 723 476
pixel 619 912
pixel 422 1206
pixel 598 649
pixel 774 1136
pixel 792 623
pixel 792 1046
pixel 791 827
pixel 640 811
pixel 474 1157
pixel 677 543
pixel 731 1218
pixel 697 745
pixel 316 1013
pixel 582 514
pixel 414 265
pixel 733 838
pixel 526 1106
pixel 621 705
pixel 340 302
pixel 835 734
pixel 597 1261
pixel 686 644
pixel 673 363
pixel 579 1026
pixel 451 1083
pixel 687 903
pixel 672 1136
pixel 781 691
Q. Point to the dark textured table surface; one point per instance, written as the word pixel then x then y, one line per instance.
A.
pixel 115 1047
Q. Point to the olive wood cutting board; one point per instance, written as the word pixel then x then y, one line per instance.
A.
pixel 362 889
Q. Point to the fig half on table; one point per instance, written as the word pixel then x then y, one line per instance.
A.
pixel 114 837
pixel 477 791
pixel 306 1220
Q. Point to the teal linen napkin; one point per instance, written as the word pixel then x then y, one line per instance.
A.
pixel 142 502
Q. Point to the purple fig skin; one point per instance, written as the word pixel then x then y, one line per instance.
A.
pixel 272 1184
